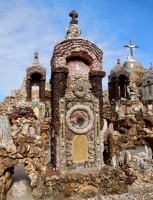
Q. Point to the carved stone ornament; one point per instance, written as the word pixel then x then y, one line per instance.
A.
pixel 79 119
pixel 79 90
pixel 73 32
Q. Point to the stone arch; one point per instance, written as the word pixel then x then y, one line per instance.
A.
pixel 118 83
pixel 36 74
pixel 123 80
pixel 82 48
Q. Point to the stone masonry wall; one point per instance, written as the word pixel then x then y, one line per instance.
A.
pixel 28 145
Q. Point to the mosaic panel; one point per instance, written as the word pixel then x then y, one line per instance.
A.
pixel 78 68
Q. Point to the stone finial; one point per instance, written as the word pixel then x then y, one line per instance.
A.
pixel 74 15
pixel 74 30
pixel 118 61
pixel 36 55
pixel 151 65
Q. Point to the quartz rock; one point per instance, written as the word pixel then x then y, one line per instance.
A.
pixel 19 189
pixel 33 178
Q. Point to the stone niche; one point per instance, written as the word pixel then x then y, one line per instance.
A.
pixel 36 77
pixel 118 83
pixel 76 99
pixel 147 85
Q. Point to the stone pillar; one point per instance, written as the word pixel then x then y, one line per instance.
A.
pixel 29 89
pixel 42 90
pixel 151 91
pixel 143 93
pixel 147 92
pixel 96 83
pixel 126 89
pixel 58 87
pixel 116 89
pixel 110 91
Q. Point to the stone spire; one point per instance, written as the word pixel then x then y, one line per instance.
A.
pixel 151 67
pixel 118 61
pixel 36 57
pixel 36 62
pixel 73 30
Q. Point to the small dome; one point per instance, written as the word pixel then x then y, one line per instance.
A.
pixel 36 67
pixel 118 70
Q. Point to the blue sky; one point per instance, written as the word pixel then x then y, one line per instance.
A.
pixel 27 26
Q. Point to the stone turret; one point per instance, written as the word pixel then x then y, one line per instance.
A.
pixel 36 76
pixel 76 82
pixel 147 85
pixel 118 82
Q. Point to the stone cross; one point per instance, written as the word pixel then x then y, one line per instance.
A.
pixel 118 61
pixel 132 47
pixel 74 15
pixel 36 55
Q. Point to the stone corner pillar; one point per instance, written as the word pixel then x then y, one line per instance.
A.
pixel 42 90
pixel 28 83
pixel 58 86
pixel 95 77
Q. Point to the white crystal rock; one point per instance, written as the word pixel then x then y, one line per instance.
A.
pixel 19 189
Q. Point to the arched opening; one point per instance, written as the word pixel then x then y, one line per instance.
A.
pixel 35 85
pixel 78 66
pixel 122 86
pixel 21 185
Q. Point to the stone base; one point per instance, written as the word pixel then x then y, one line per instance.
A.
pixel 86 183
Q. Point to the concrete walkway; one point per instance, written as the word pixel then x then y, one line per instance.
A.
pixel 19 175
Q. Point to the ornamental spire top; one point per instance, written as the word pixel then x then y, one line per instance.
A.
pixel 74 15
pixel 73 31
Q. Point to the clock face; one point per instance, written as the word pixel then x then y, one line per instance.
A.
pixel 80 119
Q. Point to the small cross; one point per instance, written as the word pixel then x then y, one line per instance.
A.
pixel 118 61
pixel 74 15
pixel 36 55
pixel 132 47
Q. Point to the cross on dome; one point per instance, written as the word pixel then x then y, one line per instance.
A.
pixel 74 15
pixel 36 55
pixel 132 47
pixel 118 61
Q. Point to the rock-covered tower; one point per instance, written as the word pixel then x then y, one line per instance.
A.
pixel 76 100
pixel 36 75
pixel 147 85
pixel 118 82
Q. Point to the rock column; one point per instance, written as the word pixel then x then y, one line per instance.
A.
pixel 58 87
pixel 96 83
pixel 29 89
pixel 42 89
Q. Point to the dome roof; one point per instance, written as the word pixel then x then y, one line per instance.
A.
pixel 118 70
pixel 36 67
